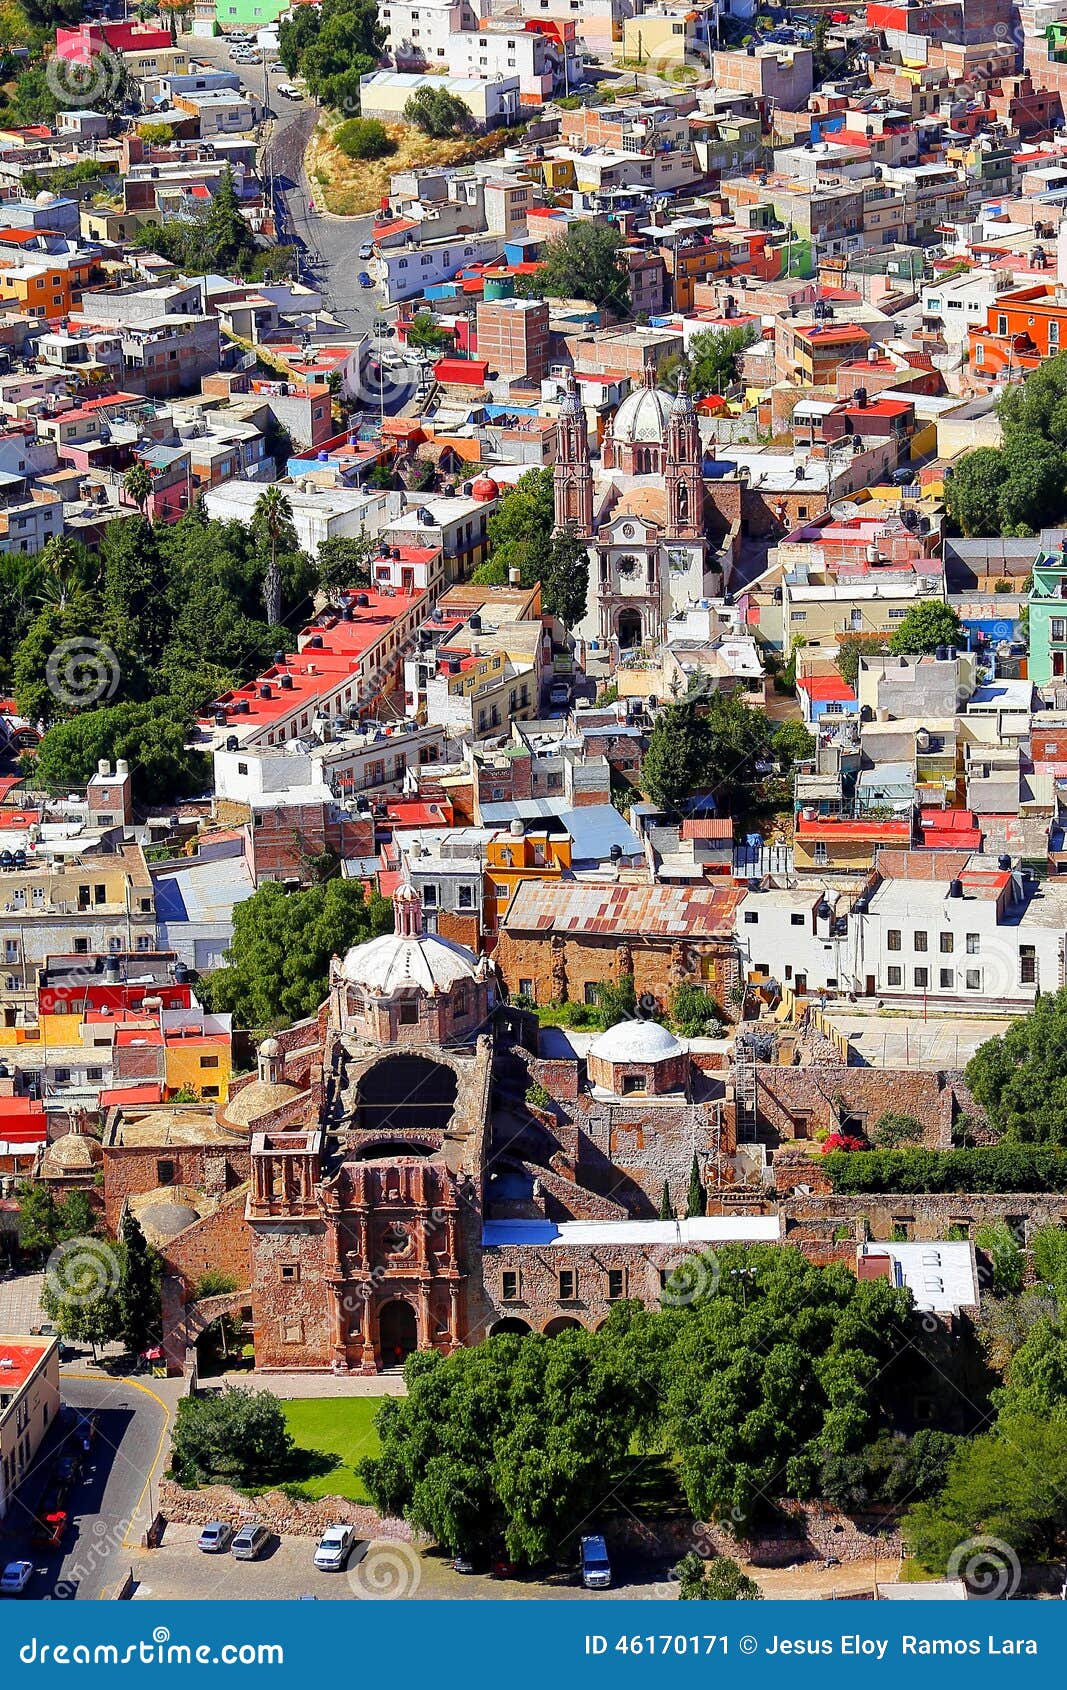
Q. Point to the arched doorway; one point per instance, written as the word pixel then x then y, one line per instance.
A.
pixel 511 1323
pixel 629 630
pixel 398 1333
pixel 562 1323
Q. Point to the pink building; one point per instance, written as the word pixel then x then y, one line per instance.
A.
pixel 89 39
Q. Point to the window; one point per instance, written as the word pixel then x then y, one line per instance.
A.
pixel 81 947
pixel 1054 335
pixel 945 943
pixel 972 944
pixel 616 1284
pixel 946 978
pixel 796 921
pixel 164 1173
pixel 408 1014
pixel 919 942
pixel 922 979
pixel 893 976
pixel 892 939
pixel 567 1287
pixel 590 994
pixel 1058 629
pixel 290 1272
pixel 466 897
pixel 526 989
pixel 429 896
pixel 1027 965
pixel 974 979
pixel 820 856
pixel 751 918
pixel 509 1285
pixel 1002 324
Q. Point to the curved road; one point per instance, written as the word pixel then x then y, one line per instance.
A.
pixel 113 1500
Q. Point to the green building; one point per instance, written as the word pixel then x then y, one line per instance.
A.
pixel 1048 619
pixel 249 14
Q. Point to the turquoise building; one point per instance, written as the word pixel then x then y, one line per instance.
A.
pixel 1048 619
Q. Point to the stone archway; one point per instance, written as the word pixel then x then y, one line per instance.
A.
pixel 510 1324
pixel 629 629
pixel 563 1323
pixel 398 1332
pixel 405 1092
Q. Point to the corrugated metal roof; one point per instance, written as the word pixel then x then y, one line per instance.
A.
pixel 654 912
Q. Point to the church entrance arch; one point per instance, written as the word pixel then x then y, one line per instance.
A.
pixel 629 629
pixel 398 1332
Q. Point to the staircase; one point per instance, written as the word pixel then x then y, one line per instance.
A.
pixel 745 1095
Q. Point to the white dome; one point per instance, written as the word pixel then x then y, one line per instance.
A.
pixel 636 1041
pixel 641 419
pixel 388 964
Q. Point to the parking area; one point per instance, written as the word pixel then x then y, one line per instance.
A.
pixel 379 1571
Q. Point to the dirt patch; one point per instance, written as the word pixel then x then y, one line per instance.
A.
pixel 352 187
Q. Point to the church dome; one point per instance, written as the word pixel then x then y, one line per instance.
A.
pixel 397 960
pixel 72 1153
pixel 256 1099
pixel 636 1041
pixel 641 419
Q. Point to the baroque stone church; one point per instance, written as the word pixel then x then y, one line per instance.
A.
pixel 643 515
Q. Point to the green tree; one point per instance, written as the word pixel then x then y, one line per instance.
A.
pixel 584 262
pixel 712 363
pixel 1020 1079
pixel 272 520
pixel 44 690
pixel 616 1001
pixel 332 46
pixel 792 743
pixel 140 1316
pixel 698 748
pixel 79 1293
pixel 517 1439
pixel 999 1243
pixel 152 737
pixel 364 138
pixel 235 1437
pixel 38 1220
pixel 697 1200
pixel 717 1580
pixel 924 627
pixel 438 112
pixel 424 334
pixel 847 661
pixel 694 1012
pixel 1049 1245
pixel 1009 1484
pixel 344 562
pixel 75 1217
pixel 893 1129
pixel 277 967
pixel 137 483
pixel 666 1207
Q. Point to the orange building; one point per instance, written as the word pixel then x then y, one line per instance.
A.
pixel 511 858
pixel 1021 328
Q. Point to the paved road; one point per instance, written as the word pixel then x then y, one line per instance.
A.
pixel 383 1570
pixel 110 1505
pixel 337 240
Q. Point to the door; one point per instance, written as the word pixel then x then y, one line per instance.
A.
pixel 397 1333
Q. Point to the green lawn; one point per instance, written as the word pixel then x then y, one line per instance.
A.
pixel 331 1435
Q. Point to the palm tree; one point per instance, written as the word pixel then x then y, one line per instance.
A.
pixel 137 482
pixel 273 518
pixel 59 561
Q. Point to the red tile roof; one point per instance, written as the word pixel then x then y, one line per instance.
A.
pixel 826 689
pixel 708 827
pixel 17 1362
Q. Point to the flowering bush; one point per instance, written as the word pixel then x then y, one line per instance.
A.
pixel 842 1141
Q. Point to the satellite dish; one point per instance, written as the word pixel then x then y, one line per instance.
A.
pixel 845 510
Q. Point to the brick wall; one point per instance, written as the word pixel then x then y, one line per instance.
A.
pixel 562 969
pixel 799 1102
pixel 130 1170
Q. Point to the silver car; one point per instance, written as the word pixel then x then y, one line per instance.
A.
pixel 250 1543
pixel 215 1538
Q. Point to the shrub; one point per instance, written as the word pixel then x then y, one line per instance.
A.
pixel 536 1095
pixel 364 137
pixel 842 1143
pixel 998 1168
pixel 694 1014
pixel 892 1130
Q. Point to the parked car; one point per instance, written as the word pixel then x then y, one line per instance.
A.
pixel 292 92
pixel 367 249
pixel 461 1564
pixel 364 279
pixel 68 1467
pixel 559 692
pixel 85 1431
pixel 334 1548
pixel 250 1543
pixel 15 1577
pixel 215 1538
pixel 596 1568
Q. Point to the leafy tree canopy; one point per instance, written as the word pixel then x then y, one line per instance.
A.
pixel 925 627
pixel 233 1437
pixel 583 263
pixel 713 361
pixel 1020 1078
pixel 717 1580
pixel 277 968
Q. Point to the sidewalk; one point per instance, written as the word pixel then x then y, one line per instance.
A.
pixel 323 1384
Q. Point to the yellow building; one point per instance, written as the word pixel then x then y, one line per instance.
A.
pixel 511 858
pixel 29 1403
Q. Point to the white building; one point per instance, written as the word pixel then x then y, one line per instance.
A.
pixel 956 304
pixel 319 513
pixel 405 272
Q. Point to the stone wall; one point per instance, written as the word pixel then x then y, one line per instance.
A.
pixel 920 1215
pixel 277 1511
pixel 131 1169
pixel 563 968
pixel 292 1316
pixel 800 1102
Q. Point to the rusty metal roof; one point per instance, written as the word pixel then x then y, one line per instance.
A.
pixel 603 909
